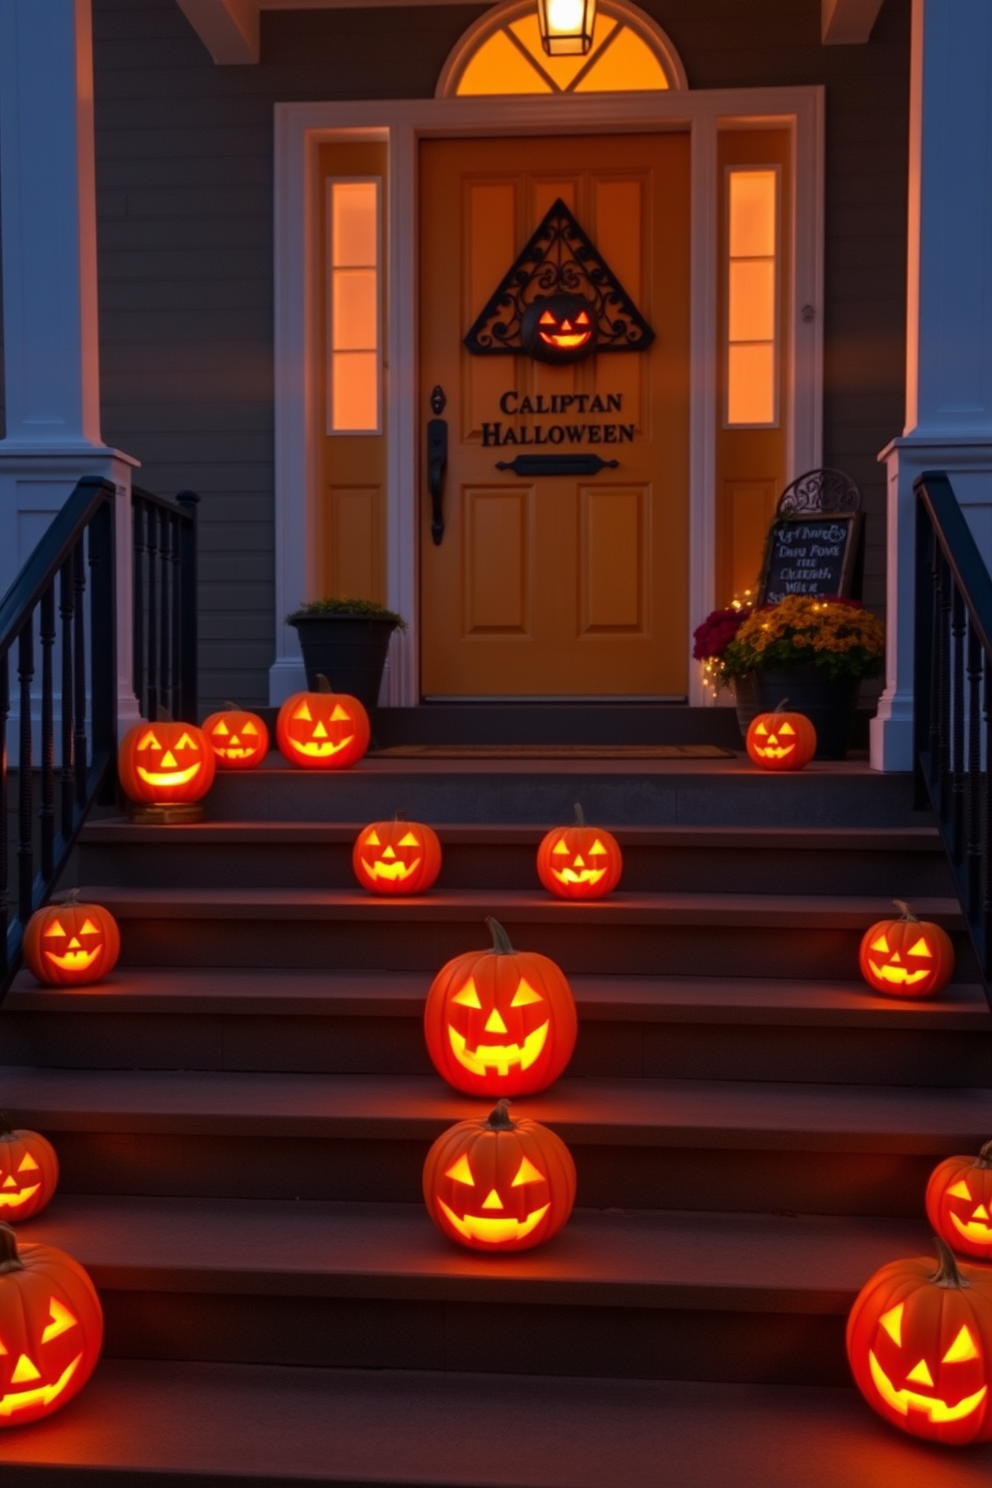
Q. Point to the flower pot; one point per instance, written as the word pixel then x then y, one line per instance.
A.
pixel 745 702
pixel 828 702
pixel 350 651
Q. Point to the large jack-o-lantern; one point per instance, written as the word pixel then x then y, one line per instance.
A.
pixel 166 764
pixel 323 730
pixel 579 862
pixel 239 739
pixel 498 1184
pixel 919 1341
pixel 959 1203
pixel 51 1329
pixel 69 944
pixel 559 328
pixel 396 857
pixel 781 740
pixel 29 1172
pixel 906 957
pixel 500 1022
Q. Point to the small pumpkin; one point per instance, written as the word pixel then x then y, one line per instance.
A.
pixel 559 328
pixel 29 1172
pixel 165 763
pixel 499 1184
pixel 781 740
pixel 323 730
pixel 500 1022
pixel 579 862
pixel 959 1203
pixel 396 857
pixel 919 1342
pixel 239 739
pixel 70 944
pixel 906 957
pixel 51 1329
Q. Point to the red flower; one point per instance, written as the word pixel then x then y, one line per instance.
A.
pixel 717 631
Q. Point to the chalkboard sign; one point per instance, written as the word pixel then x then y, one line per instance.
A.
pixel 815 555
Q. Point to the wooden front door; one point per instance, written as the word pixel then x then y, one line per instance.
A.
pixel 556 585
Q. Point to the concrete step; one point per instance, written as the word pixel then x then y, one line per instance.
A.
pixel 755 1298
pixel 755 935
pixel 372 1023
pixel 240 1426
pixel 903 861
pixel 645 1144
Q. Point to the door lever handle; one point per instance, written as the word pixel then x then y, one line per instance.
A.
pixel 437 460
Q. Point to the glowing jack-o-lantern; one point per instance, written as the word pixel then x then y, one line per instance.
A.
pixel 579 862
pixel 70 944
pixel 559 328
pixel 498 1184
pixel 959 1203
pixel 500 1022
pixel 29 1172
pixel 166 764
pixel 906 957
pixel 323 730
pixel 781 740
pixel 51 1329
pixel 397 857
pixel 239 739
pixel 919 1342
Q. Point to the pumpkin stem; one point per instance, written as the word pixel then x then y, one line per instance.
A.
pixel 9 1259
pixel 401 816
pixel 984 1158
pixel 501 941
pixel 782 706
pixel 322 683
pixel 234 707
pixel 499 1120
pixel 162 714
pixel 905 911
pixel 947 1273
pixel 580 816
pixel 71 898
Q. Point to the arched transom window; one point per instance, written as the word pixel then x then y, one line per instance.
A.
pixel 502 54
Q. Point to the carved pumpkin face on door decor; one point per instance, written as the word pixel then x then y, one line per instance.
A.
pixel 29 1172
pixel 397 857
pixel 70 944
pixel 51 1329
pixel 239 739
pixel 499 1185
pixel 959 1203
pixel 165 764
pixel 500 1022
pixel 579 862
pixel 781 740
pixel 919 1342
pixel 323 730
pixel 906 957
pixel 559 328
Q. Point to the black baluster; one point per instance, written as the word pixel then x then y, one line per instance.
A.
pixel 986 844
pixel 165 626
pixel 46 813
pixel 154 695
pixel 80 751
pixel 944 686
pixel 66 607
pixel 175 605
pixel 4 817
pixel 957 802
pixel 103 635
pixel 139 678
pixel 25 824
pixel 188 599
pixel 974 858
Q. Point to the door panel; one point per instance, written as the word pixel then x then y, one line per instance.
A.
pixel 560 585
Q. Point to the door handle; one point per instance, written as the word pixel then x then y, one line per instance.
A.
pixel 437 460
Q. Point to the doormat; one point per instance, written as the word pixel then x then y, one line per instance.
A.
pixel 554 751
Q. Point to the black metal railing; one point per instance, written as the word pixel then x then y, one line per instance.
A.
pixel 60 608
pixel 164 578
pixel 952 699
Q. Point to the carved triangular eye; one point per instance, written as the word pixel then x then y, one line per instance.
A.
pixel 222 729
pixel 547 318
pixel 373 840
pixel 787 729
pixel 760 729
pixel 880 944
pixel 524 994
pixel 920 949
pixel 249 728
pixel 61 1320
pixel 961 1349
pixel 959 1191
pixel 461 1172
pixel 891 1321
pixel 339 715
pixel 185 743
pixel 149 741
pixel 409 841
pixel 55 928
pixel 89 928
pixel 468 996
pixel 559 850
pixel 27 1164
pixel 597 849
pixel 303 713
pixel 526 1173
pixel 582 318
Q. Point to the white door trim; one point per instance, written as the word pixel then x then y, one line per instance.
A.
pixel 301 127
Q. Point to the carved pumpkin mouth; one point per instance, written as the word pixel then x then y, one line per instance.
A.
pixel 322 749
pixel 771 750
pixel 500 1057
pixel 494 1231
pixel 579 876
pixel 15 1200
pixel 79 960
pixel 899 976
pixel 974 1229
pixel 169 777
pixel 42 1394
pixel 905 1400
pixel 394 872
pixel 234 751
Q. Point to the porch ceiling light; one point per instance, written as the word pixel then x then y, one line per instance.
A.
pixel 566 26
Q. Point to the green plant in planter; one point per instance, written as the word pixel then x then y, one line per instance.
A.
pixel 348 607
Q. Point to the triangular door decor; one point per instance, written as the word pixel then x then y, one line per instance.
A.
pixel 560 301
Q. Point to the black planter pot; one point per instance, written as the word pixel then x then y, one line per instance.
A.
pixel 349 650
pixel 828 702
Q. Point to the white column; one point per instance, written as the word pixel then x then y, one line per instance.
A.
pixel 949 320
pixel 51 341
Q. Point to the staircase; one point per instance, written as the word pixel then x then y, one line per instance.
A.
pixel 243 1111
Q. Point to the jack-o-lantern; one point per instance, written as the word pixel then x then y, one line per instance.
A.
pixel 69 944
pixel 781 740
pixel 165 763
pixel 239 739
pixel 959 1203
pixel 397 857
pixel 906 957
pixel 498 1184
pixel 500 1022
pixel 29 1172
pixel 579 862
pixel 323 730
pixel 51 1329
pixel 559 328
pixel 919 1342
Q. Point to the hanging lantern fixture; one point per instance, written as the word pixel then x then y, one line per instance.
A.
pixel 566 26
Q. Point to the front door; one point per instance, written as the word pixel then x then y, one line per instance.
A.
pixel 556 585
